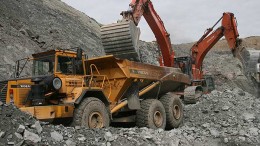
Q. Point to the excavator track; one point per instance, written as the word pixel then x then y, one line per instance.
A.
pixel 121 40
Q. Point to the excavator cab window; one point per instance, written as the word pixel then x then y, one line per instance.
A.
pixel 43 66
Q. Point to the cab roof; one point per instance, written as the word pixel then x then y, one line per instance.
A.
pixel 53 52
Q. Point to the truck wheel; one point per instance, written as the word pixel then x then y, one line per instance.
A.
pixel 91 113
pixel 151 115
pixel 174 110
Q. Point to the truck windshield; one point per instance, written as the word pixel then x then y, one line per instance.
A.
pixel 43 66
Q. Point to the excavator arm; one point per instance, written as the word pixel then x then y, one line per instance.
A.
pixel 208 40
pixel 138 8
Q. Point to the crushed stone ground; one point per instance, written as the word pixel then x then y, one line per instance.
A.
pixel 227 116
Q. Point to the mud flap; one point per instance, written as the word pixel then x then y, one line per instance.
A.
pixel 132 95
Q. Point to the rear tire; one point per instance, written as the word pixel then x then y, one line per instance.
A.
pixel 151 115
pixel 174 110
pixel 91 113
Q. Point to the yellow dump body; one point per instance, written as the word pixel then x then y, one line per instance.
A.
pixel 122 73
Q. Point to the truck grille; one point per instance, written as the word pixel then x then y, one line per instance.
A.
pixel 3 91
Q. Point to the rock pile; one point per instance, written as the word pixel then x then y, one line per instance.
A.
pixel 18 128
pixel 230 115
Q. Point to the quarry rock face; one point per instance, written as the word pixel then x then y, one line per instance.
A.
pixel 30 26
pixel 230 115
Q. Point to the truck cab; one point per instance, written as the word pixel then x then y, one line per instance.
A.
pixel 56 85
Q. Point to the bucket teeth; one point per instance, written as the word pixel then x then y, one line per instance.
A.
pixel 121 40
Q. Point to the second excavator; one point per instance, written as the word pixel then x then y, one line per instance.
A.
pixel 192 64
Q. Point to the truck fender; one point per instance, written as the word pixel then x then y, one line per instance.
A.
pixel 93 93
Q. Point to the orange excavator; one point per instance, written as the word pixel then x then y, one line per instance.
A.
pixel 121 38
pixel 200 49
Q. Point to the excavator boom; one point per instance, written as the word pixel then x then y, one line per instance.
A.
pixel 208 40
pixel 162 36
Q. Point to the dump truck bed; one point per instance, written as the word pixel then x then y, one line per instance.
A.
pixel 122 73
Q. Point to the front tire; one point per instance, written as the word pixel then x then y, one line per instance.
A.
pixel 151 115
pixel 174 110
pixel 91 113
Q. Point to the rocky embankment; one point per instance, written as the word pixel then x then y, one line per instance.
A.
pixel 31 26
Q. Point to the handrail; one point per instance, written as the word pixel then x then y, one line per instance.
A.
pixel 91 70
pixel 99 75
pixel 4 88
pixel 105 78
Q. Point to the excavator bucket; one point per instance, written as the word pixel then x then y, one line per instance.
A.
pixel 121 40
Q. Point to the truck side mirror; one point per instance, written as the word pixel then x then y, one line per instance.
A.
pixel 79 54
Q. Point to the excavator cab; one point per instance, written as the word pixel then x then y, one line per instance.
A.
pixel 184 63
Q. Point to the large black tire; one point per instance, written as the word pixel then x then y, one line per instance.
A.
pixel 174 110
pixel 91 113
pixel 151 115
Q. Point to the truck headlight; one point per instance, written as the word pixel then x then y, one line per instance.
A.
pixel 57 83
